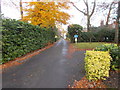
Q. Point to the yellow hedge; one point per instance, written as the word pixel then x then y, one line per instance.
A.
pixel 97 64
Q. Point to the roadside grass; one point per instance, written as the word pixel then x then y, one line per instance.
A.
pixel 88 45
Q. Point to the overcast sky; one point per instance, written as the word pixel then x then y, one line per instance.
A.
pixel 12 10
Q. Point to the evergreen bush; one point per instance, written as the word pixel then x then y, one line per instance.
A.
pixel 20 38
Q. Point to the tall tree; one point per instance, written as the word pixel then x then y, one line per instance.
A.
pixel 46 14
pixel 21 9
pixel 87 12
pixel 119 22
pixel 117 25
pixel 0 10
pixel 119 9
pixel 111 9
pixel 108 9
pixel 108 16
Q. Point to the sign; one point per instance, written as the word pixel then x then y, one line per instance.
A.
pixel 75 40
pixel 75 36
pixel 55 36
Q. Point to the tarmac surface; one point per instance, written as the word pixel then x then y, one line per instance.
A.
pixel 51 68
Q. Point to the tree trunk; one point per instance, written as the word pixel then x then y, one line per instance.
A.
pixel 21 9
pixel 87 13
pixel 117 25
pixel 88 24
pixel 108 16
pixel 117 32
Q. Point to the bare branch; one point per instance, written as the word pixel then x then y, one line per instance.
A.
pixel 86 3
pixel 108 16
pixel 78 8
pixel 87 12
pixel 93 8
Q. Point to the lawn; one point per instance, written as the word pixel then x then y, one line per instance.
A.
pixel 88 45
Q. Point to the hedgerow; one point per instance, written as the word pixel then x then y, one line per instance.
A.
pixel 20 38
pixel 97 64
pixel 96 34
pixel 114 51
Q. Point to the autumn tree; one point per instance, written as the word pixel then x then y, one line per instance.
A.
pixel 87 12
pixel 46 14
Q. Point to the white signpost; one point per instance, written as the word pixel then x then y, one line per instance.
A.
pixel 75 36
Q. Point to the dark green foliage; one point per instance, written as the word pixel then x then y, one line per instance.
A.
pixel 106 35
pixel 98 34
pixel 20 38
pixel 88 37
pixel 114 52
pixel 73 30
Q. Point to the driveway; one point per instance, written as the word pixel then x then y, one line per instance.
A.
pixel 51 68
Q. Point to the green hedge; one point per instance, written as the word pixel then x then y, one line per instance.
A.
pixel 98 34
pixel 114 51
pixel 20 38
pixel 97 64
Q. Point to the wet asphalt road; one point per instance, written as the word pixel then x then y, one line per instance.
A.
pixel 49 69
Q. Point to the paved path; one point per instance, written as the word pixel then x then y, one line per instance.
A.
pixel 49 69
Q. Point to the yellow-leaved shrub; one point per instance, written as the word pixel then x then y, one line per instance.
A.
pixel 97 64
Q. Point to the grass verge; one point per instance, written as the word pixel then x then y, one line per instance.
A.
pixel 88 45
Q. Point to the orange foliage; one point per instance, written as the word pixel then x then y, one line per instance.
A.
pixel 46 14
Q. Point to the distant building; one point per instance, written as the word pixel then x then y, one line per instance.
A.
pixel 84 30
pixel 112 25
pixel 102 23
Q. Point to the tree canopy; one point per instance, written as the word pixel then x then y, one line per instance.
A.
pixel 46 14
pixel 74 29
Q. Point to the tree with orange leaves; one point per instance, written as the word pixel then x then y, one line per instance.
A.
pixel 46 14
